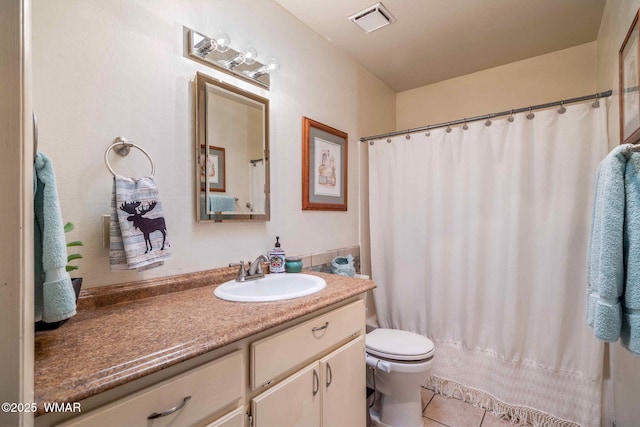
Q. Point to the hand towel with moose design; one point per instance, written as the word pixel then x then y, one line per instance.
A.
pixel 138 232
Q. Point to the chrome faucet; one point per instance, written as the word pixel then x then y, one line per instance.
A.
pixel 254 272
pixel 255 269
pixel 242 273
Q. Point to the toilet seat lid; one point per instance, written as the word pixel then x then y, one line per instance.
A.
pixel 398 345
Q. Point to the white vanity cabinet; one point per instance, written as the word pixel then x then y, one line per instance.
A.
pixel 328 392
pixel 188 399
pixel 307 373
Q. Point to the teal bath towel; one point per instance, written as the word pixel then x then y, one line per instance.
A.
pixel 222 204
pixel 605 263
pixel 630 332
pixel 54 295
pixel 217 204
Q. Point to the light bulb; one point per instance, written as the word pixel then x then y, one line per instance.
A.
pixel 223 41
pixel 272 64
pixel 250 55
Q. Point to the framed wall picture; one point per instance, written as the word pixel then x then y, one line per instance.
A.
pixel 629 97
pixel 324 167
pixel 212 168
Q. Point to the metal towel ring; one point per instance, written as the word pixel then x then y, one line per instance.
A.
pixel 122 148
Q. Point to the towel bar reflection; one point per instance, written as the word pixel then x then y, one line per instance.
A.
pixel 122 147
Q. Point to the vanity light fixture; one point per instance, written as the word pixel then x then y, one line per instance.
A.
pixel 223 41
pixel 247 56
pixel 271 65
pixel 206 45
pixel 217 52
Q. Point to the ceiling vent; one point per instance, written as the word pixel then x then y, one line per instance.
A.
pixel 373 18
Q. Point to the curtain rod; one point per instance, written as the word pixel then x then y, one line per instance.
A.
pixel 489 116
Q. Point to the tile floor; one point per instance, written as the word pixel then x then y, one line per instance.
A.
pixel 439 411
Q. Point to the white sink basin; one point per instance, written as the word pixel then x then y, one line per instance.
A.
pixel 272 287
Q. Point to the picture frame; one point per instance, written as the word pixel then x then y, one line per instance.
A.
pixel 325 167
pixel 216 168
pixel 629 69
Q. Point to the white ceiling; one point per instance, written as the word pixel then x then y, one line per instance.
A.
pixel 435 40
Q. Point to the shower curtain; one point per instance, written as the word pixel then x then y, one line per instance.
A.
pixel 478 241
pixel 256 186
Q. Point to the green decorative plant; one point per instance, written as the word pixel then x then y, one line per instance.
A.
pixel 71 257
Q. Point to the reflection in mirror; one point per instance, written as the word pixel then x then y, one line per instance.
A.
pixel 232 147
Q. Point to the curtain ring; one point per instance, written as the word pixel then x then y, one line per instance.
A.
pixel 465 127
pixel 530 115
pixel 427 133
pixel 596 103
pixel 448 129
pixel 488 122
pixel 562 110
pixel 511 118
pixel 407 136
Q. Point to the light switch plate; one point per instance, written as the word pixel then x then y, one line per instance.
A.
pixel 105 230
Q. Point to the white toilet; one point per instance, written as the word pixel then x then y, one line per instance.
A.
pixel 398 362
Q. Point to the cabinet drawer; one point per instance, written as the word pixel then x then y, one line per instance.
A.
pixel 287 350
pixel 211 386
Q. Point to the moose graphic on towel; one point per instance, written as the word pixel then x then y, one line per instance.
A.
pixel 146 225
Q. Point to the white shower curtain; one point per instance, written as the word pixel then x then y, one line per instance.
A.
pixel 256 186
pixel 478 241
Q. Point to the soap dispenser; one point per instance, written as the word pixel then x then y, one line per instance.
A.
pixel 276 258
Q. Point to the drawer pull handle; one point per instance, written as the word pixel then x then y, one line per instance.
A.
pixel 170 411
pixel 329 375
pixel 320 328
pixel 316 383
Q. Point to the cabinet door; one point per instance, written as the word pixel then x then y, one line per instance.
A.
pixel 295 402
pixel 343 386
pixel 233 419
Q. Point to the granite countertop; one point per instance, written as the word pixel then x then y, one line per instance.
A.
pixel 125 332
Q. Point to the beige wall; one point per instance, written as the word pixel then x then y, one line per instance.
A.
pixel 558 75
pixel 623 382
pixel 105 69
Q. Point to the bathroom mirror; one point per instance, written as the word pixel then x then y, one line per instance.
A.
pixel 231 153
